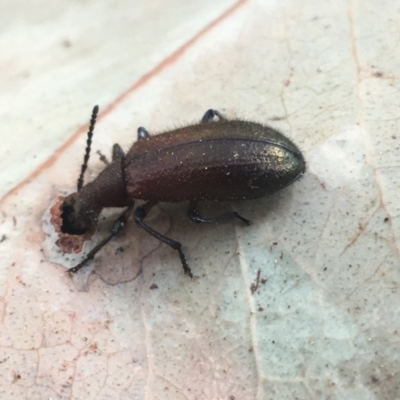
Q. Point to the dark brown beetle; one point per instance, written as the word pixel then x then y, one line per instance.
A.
pixel 212 160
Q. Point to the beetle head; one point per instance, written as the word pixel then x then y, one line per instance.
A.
pixel 77 218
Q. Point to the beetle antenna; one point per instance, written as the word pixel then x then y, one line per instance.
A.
pixel 88 145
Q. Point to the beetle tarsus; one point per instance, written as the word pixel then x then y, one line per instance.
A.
pixel 103 158
pixel 142 133
pixel 186 267
pixel 246 221
pixel 197 218
pixel 211 114
pixel 79 266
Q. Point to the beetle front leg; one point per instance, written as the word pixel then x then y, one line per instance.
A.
pixel 196 217
pixel 140 215
pixel 118 225
pixel 210 114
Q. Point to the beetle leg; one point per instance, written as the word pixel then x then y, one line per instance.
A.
pixel 117 152
pixel 142 133
pixel 103 158
pixel 118 225
pixel 196 217
pixel 210 114
pixel 140 215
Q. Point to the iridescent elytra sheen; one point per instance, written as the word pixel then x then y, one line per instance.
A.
pixel 223 160
pixel 209 161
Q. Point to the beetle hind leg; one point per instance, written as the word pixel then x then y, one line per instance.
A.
pixel 211 114
pixel 196 217
pixel 140 215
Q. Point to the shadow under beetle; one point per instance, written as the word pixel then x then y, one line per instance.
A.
pixel 216 160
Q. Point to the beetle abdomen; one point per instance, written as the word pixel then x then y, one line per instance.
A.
pixel 215 166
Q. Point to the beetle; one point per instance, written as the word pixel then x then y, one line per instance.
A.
pixel 214 160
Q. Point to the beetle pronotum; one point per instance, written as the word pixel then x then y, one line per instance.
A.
pixel 214 160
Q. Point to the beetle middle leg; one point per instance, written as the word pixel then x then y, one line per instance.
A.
pixel 140 215
pixel 118 225
pixel 210 114
pixel 196 217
